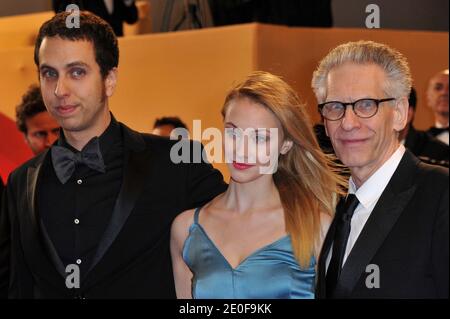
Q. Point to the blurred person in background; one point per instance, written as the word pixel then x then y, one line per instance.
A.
pixel 164 126
pixel 37 125
pixel 437 98
pixel 422 144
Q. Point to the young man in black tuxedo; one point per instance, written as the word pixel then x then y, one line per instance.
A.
pixel 390 236
pixel 103 198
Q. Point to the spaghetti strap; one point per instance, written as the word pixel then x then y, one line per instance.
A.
pixel 197 211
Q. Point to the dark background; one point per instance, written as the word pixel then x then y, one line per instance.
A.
pixel 398 14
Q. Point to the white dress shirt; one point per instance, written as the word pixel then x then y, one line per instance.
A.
pixel 444 136
pixel 368 195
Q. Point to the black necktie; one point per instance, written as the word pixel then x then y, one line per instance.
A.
pixel 64 160
pixel 344 213
pixel 435 131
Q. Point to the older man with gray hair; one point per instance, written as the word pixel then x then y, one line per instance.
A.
pixel 389 237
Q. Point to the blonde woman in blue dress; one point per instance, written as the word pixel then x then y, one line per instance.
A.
pixel 260 238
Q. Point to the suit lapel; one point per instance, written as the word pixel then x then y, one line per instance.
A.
pixel 34 230
pixel 32 177
pixel 135 172
pixel 326 246
pixel 388 209
pixel 53 254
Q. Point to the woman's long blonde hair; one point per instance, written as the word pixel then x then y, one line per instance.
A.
pixel 306 178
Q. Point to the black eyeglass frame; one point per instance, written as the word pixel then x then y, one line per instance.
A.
pixel 377 103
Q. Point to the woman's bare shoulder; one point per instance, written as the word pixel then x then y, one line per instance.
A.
pixel 182 222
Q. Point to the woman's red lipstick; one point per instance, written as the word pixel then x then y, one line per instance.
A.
pixel 241 166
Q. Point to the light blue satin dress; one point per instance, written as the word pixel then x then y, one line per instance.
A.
pixel 271 272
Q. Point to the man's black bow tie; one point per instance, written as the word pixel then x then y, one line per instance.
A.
pixel 435 131
pixel 64 160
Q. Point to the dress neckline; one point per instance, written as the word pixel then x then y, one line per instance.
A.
pixel 243 261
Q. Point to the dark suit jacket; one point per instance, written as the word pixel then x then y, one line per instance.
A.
pixel 428 148
pixel 406 236
pixel 133 257
pixel 121 13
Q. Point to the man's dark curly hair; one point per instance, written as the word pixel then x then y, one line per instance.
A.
pixel 91 28
pixel 31 105
pixel 175 121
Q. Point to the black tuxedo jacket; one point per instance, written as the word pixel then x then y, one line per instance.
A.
pixel 133 256
pixel 406 236
pixel 428 148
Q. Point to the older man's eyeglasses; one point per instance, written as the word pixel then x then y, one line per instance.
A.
pixel 363 108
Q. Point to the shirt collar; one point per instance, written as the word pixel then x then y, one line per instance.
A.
pixel 370 191
pixel 439 125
